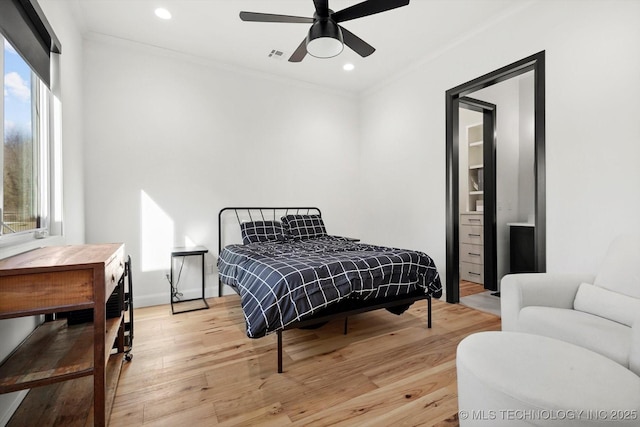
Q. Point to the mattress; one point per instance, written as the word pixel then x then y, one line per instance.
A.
pixel 281 282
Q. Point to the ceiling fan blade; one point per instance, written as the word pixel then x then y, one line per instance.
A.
pixel 322 7
pixel 300 52
pixel 269 17
pixel 358 45
pixel 366 8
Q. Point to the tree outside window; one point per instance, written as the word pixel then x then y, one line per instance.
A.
pixel 20 162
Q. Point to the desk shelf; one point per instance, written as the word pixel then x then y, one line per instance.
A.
pixel 73 400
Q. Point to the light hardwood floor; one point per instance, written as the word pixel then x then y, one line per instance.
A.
pixel 470 288
pixel 200 369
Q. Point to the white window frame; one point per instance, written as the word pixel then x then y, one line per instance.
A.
pixel 47 166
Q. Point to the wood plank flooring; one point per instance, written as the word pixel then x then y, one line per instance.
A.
pixel 200 369
pixel 470 288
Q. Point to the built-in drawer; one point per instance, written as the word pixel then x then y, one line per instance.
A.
pixel 471 253
pixel 472 272
pixel 471 234
pixel 471 219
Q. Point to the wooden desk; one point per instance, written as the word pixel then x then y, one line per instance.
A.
pixel 70 369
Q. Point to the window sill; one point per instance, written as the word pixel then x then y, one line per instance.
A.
pixel 15 247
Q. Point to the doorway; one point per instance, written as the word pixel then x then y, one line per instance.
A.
pixel 459 97
pixel 477 183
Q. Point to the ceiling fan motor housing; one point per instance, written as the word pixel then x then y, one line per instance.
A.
pixel 324 39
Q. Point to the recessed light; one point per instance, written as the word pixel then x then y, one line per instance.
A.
pixel 348 67
pixel 163 13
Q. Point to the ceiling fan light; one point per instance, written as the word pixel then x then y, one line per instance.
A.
pixel 324 39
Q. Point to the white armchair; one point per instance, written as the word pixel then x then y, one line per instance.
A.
pixel 601 312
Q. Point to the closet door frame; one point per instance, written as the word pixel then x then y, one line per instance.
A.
pixel 535 63
pixel 490 249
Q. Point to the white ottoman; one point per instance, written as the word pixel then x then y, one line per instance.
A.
pixel 512 378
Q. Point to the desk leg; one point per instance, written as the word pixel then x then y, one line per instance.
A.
pixel 203 299
pixel 171 286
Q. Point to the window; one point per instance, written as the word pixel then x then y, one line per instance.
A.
pixel 24 193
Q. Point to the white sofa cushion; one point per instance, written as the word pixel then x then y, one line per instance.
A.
pixel 611 339
pixel 608 304
pixel 619 271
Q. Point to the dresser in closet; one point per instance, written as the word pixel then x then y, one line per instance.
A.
pixel 472 247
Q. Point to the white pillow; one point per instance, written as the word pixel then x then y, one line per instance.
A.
pixel 608 304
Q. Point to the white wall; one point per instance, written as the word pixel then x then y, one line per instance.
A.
pixel 402 176
pixel 182 138
pixel 13 331
pixel 70 95
pixel 593 141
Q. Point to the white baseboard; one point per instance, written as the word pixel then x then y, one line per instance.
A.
pixel 163 297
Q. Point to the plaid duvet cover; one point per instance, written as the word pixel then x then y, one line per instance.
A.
pixel 283 282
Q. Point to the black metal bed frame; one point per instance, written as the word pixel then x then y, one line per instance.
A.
pixel 327 314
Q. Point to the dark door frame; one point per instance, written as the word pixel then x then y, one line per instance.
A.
pixel 489 112
pixel 535 63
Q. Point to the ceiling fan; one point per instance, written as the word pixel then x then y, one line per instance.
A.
pixel 326 38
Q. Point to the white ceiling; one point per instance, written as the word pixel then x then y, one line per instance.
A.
pixel 212 29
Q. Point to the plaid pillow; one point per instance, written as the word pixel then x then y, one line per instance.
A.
pixel 261 231
pixel 298 227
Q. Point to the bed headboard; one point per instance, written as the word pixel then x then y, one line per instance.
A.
pixel 230 218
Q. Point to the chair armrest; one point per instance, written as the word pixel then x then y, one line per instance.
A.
pixel 540 289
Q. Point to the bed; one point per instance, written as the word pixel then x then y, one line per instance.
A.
pixel 290 273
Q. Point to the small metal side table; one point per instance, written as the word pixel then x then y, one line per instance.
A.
pixel 192 304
